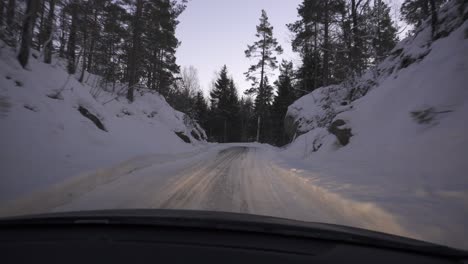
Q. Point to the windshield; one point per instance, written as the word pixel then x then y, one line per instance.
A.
pixel 344 112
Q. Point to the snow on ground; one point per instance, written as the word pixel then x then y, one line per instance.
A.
pixel 44 139
pixel 409 150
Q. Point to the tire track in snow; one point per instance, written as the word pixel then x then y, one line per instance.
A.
pixel 244 180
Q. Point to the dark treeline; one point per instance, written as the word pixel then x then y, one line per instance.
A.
pixel 132 43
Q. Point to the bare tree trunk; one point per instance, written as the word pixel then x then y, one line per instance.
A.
pixel 133 64
pixel 26 36
pixel 71 55
pixel 49 34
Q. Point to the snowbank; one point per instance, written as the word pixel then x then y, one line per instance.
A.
pixel 409 147
pixel 46 138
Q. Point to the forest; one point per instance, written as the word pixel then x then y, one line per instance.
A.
pixel 132 45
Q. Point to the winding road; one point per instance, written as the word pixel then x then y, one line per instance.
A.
pixel 242 178
pixel 245 178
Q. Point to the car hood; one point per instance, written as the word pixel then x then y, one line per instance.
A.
pixel 237 222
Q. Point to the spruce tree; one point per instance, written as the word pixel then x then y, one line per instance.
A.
pixel 264 49
pixel 284 98
pixel 201 110
pixel 233 115
pixel 219 98
pixel 384 37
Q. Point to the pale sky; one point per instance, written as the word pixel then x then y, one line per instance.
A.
pixel 216 32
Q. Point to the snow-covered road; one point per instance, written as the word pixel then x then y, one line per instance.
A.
pixel 237 178
pixel 234 178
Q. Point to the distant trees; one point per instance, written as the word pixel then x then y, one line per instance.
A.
pixel 263 50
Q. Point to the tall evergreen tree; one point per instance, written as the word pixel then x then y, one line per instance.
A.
pixel 264 49
pixel 201 110
pixel 233 109
pixel 219 98
pixel 284 98
pixel 385 33
pixel 224 109
pixel 27 32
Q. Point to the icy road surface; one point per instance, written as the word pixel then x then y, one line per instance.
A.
pixel 236 178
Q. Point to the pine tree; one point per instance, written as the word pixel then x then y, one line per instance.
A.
pixel 233 116
pixel 224 116
pixel 264 49
pixel 284 98
pixel 219 104
pixel 384 37
pixel 27 32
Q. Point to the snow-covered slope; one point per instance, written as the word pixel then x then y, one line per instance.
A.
pixel 45 137
pixel 408 118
